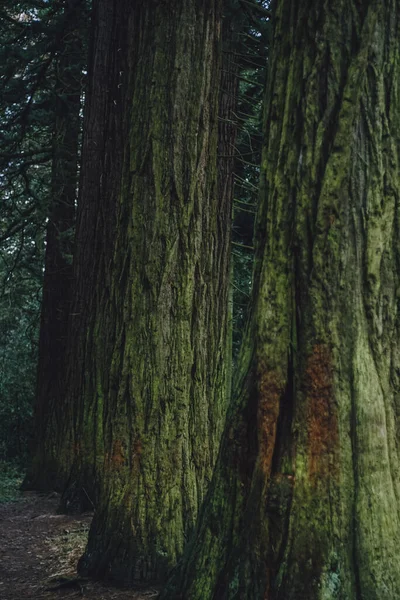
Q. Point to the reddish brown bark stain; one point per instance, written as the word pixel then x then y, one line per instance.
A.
pixel 270 391
pixel 118 456
pixel 137 447
pixel 137 450
pixel 322 423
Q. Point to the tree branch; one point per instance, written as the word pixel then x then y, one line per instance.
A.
pixel 265 12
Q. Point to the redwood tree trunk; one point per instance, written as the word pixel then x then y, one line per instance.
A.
pixel 57 283
pixel 304 503
pixel 89 348
pixel 152 269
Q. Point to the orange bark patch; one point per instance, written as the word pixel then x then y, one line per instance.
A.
pixel 270 391
pixel 118 455
pixel 137 449
pixel 322 424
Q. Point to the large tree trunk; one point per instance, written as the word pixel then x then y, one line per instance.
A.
pixel 148 362
pixel 305 499
pixel 91 331
pixel 57 283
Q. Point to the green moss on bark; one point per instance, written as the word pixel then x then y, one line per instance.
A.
pixel 152 394
pixel 305 492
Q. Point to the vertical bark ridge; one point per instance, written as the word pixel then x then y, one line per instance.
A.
pixel 151 386
pixel 316 515
pixel 82 444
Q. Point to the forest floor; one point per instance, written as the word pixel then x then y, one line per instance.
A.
pixel 39 549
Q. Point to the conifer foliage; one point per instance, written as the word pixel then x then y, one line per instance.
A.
pixel 35 45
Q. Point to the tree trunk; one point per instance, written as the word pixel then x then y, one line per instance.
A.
pixel 152 268
pixel 57 283
pixel 91 331
pixel 304 503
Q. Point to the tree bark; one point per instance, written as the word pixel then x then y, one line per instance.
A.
pixel 57 283
pixel 148 350
pixel 89 347
pixel 304 503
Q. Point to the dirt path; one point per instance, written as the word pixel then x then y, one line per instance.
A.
pixel 38 546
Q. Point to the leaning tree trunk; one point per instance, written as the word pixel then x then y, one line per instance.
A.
pixel 44 472
pixel 305 499
pixel 148 363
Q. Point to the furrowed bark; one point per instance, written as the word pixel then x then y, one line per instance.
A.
pixel 89 346
pixel 305 499
pixel 150 375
